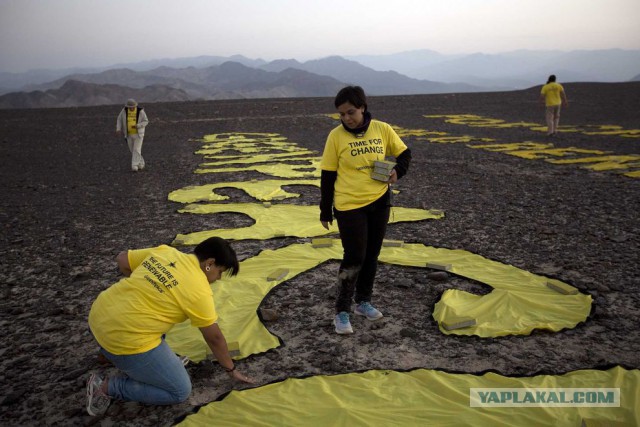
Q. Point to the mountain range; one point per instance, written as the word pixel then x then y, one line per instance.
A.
pixel 518 69
pixel 217 77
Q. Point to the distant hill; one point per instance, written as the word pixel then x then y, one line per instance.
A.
pixel 207 83
pixel 196 62
pixel 13 82
pixel 230 80
pixel 636 78
pixel 74 93
pixel 374 82
pixel 514 70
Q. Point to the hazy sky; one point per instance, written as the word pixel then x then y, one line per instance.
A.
pixel 68 33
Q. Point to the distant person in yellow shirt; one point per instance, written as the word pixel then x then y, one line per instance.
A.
pixel 162 287
pixel 553 96
pixel 360 203
pixel 131 123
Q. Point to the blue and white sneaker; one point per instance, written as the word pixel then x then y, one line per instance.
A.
pixel 342 323
pixel 367 310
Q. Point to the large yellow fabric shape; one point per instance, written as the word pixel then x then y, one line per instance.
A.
pixel 213 150
pixel 417 398
pixel 603 163
pixel 261 190
pixel 283 170
pixel 280 220
pixel 519 303
pixel 473 120
pixel 260 158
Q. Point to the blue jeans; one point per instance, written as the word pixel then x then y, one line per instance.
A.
pixel 362 231
pixel 156 377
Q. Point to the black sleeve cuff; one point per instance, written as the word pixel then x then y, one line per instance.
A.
pixel 327 189
pixel 402 163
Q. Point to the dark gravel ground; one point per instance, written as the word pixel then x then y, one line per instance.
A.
pixel 70 204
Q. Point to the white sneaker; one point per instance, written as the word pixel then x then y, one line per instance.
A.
pixel 97 401
pixel 134 168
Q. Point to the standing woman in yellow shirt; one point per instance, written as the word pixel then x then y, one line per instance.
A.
pixel 552 94
pixel 359 203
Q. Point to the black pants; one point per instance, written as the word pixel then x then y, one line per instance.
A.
pixel 361 231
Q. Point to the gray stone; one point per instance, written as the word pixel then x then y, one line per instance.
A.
pixel 269 314
pixel 438 276
pixel 404 283
pixel 367 339
pixel 408 333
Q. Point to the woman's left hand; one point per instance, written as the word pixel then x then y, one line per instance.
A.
pixel 393 177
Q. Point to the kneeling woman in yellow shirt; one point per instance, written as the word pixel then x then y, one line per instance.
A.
pixel 162 287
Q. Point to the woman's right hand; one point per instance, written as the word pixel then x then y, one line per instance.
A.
pixel 237 375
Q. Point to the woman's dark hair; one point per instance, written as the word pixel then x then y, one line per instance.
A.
pixel 552 78
pixel 354 95
pixel 220 250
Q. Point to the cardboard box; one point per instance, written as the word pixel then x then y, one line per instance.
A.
pixel 383 164
pixel 380 177
pixel 381 170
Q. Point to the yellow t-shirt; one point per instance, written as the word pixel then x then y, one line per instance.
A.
pixel 166 287
pixel 551 92
pixel 352 157
pixel 132 120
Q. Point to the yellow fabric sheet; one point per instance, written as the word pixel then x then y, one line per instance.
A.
pixel 280 220
pixel 603 163
pixel 261 190
pixel 519 303
pixel 260 158
pixel 473 120
pixel 311 168
pixel 417 398
pixel 215 149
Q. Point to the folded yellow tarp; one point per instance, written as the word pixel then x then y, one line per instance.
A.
pixel 417 398
pixel 519 303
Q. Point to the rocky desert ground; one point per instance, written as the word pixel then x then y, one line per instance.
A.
pixel 70 204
